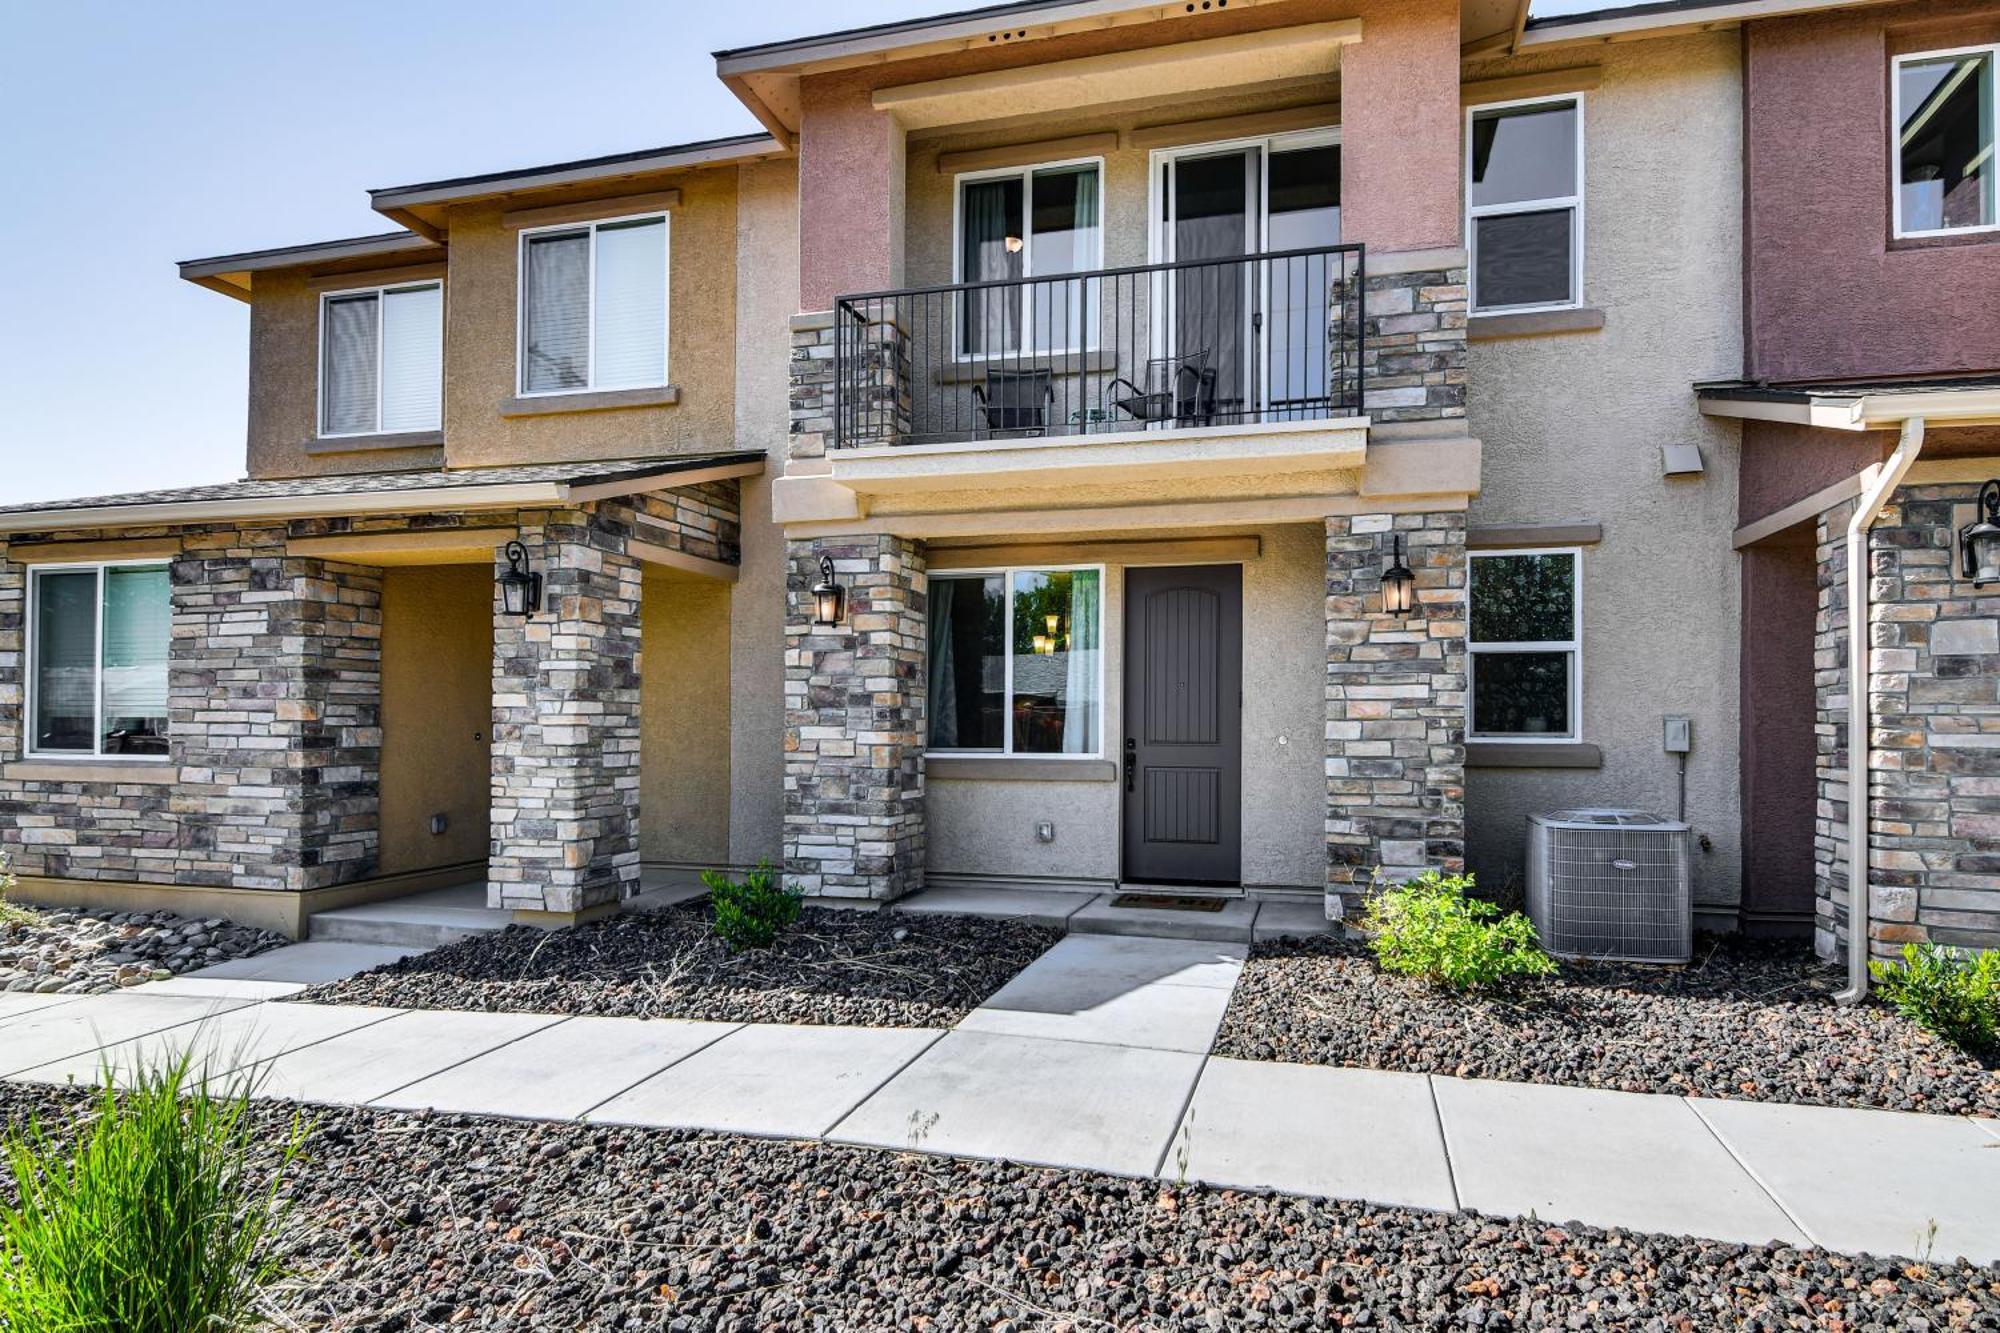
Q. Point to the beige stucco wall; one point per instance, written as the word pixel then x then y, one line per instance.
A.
pixel 988 828
pixel 767 285
pixel 684 706
pixel 1573 426
pixel 480 336
pixel 437 713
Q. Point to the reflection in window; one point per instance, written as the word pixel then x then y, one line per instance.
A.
pixel 1945 143
pixel 1015 661
pixel 1525 195
pixel 99 660
pixel 1039 223
pixel 1523 644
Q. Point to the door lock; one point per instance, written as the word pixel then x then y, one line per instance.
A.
pixel 1131 763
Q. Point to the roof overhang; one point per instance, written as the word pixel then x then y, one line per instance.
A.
pixel 1886 408
pixel 232 275
pixel 423 208
pixel 476 489
pixel 1667 18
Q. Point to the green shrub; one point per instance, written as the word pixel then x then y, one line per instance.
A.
pixel 1954 994
pixel 751 913
pixel 148 1217
pixel 1430 928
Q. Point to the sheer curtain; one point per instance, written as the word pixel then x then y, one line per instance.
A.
pixel 1080 688
pixel 943 674
pixel 991 218
pixel 1067 239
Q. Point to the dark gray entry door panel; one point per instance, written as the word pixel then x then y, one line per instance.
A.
pixel 1183 745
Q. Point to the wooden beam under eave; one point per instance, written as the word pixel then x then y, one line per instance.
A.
pixel 415 224
pixel 448 546
pixel 666 557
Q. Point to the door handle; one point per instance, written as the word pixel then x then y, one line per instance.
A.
pixel 1131 766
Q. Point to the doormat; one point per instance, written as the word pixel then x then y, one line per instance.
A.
pixel 1169 902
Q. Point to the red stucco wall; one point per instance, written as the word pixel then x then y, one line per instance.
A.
pixel 1831 295
pixel 1780 787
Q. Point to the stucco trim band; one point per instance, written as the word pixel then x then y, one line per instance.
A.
pixel 1017 768
pixel 121 548
pixel 1503 754
pixel 1025 154
pixel 1548 82
pixel 1251 125
pixel 377 277
pixel 1259 511
pixel 1184 551
pixel 606 400
pixel 452 546
pixel 1534 323
pixel 319 447
pixel 1502 535
pixel 584 210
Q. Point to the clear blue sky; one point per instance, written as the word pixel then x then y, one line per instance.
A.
pixel 139 134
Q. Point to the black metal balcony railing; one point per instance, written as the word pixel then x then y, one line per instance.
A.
pixel 1198 343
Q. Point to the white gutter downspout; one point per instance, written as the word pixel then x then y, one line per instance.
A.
pixel 1866 511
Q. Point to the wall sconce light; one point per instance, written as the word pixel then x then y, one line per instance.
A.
pixel 1979 540
pixel 829 598
pixel 1398 584
pixel 520 587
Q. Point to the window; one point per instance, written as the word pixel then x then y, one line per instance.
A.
pixel 1524 645
pixel 1039 222
pixel 1524 202
pixel 594 306
pixel 381 360
pixel 97 659
pixel 1944 142
pixel 1016 665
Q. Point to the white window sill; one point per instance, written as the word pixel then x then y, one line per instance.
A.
pixel 1533 323
pixel 365 444
pixel 91 769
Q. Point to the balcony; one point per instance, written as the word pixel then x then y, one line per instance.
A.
pixel 1238 346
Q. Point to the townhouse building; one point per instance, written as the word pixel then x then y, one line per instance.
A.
pixel 1241 444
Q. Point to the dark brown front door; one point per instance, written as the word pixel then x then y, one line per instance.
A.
pixel 1183 752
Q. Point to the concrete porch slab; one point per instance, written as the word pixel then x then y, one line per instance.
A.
pixel 309 963
pixel 219 1046
pixel 1235 923
pixel 776 1080
pixel 1314 1129
pixel 562 1071
pixel 61 1031
pixel 1036 906
pixel 1029 1099
pixel 1286 918
pixel 1617 1159
pixel 417 921
pixel 1160 994
pixel 375 1061
pixel 1887 1182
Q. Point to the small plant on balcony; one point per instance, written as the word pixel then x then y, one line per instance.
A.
pixel 752 912
pixel 1953 993
pixel 1433 928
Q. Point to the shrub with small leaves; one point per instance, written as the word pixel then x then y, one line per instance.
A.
pixel 752 912
pixel 1954 994
pixel 1431 928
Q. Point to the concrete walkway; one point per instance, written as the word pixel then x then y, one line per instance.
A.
pixel 1095 1057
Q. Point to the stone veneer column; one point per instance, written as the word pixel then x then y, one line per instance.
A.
pixel 1395 704
pixel 274 696
pixel 566 723
pixel 854 721
pixel 1414 357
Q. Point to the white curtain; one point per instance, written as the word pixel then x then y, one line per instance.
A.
pixel 991 216
pixel 556 343
pixel 348 365
pixel 137 615
pixel 1082 705
pixel 631 307
pixel 412 358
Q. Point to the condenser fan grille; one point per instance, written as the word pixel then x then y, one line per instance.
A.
pixel 1610 888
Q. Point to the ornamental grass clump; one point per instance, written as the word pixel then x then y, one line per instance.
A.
pixel 753 912
pixel 156 1211
pixel 1432 928
pixel 1953 993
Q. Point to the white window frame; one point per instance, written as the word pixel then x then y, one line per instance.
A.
pixel 1006 574
pixel 1573 202
pixel 32 628
pixel 319 361
pixel 1572 645
pixel 1992 51
pixel 1026 175
pixel 592 227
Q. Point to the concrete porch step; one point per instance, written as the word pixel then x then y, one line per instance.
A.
pixel 1241 920
pixel 420 921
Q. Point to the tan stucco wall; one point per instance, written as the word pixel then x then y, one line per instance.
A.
pixel 1573 426
pixel 480 335
pixel 988 828
pixel 437 713
pixel 767 284
pixel 684 706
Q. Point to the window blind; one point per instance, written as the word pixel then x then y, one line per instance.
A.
pixel 412 358
pixel 137 611
pixel 348 373
pixel 65 660
pixel 631 314
pixel 555 344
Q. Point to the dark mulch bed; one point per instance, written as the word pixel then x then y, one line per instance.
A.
pixel 406 1222
pixel 876 969
pixel 1749 1019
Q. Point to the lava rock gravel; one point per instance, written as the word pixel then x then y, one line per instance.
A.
pixel 875 969
pixel 70 952
pixel 401 1223
pixel 1747 1019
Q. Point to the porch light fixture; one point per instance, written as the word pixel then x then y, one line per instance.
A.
pixel 1979 540
pixel 829 598
pixel 1398 584
pixel 520 587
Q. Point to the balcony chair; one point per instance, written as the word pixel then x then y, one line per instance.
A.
pixel 1016 402
pixel 1179 389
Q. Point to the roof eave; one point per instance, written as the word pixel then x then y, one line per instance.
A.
pixel 234 275
pixel 1667 19
pixel 1973 406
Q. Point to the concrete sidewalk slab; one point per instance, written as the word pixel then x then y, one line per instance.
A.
pixel 310 963
pixel 14 1004
pixel 562 1071
pixel 1887 1182
pixel 776 1080
pixel 1029 1099
pixel 1233 923
pixel 221 1046
pixel 1036 906
pixel 1990 1126
pixel 1287 918
pixel 223 988
pixel 1058 998
pixel 1618 1159
pixel 1105 965
pixel 1314 1129
pixel 375 1061
pixel 62 1031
